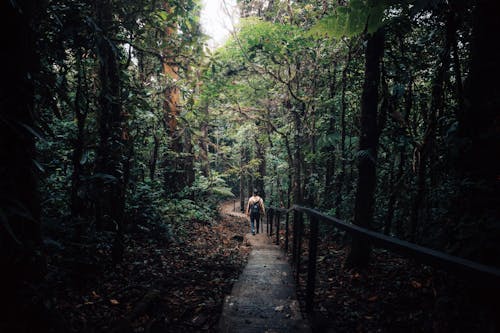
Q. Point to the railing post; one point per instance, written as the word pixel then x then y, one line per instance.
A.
pixel 271 216
pixel 311 271
pixel 286 231
pixel 257 221
pixel 271 223
pixel 267 220
pixel 294 233
pixel 300 223
pixel 262 225
pixel 278 215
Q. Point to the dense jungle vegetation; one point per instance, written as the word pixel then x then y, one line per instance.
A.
pixel 121 133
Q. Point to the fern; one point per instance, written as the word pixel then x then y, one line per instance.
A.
pixel 223 192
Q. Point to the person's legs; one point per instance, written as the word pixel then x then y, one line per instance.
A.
pixel 257 220
pixel 252 225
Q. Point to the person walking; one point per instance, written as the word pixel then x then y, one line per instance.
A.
pixel 255 207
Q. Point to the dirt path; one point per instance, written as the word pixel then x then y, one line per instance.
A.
pixel 263 299
pixel 232 208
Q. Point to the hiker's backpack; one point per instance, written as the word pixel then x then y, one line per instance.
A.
pixel 255 209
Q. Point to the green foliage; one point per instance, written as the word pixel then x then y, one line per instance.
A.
pixel 273 87
pixel 148 204
pixel 271 38
pixel 359 16
pixel 211 189
pixel 182 211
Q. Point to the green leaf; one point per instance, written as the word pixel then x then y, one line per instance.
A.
pixel 34 132
pixel 163 15
pixel 38 166
pixel 353 19
pixel 85 157
pixel 222 192
pixel 107 178
pixel 365 154
pixel 5 223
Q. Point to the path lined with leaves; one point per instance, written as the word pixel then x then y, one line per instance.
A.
pixel 263 299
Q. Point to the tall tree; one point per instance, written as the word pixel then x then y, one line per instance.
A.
pixel 81 111
pixel 178 163
pixel 368 144
pixel 110 154
pixel 261 156
pixel 21 258
pixel 479 141
pixel 343 131
pixel 425 149
pixel 330 151
pixel 173 176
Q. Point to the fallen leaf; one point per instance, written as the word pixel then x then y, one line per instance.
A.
pixel 114 301
pixel 279 308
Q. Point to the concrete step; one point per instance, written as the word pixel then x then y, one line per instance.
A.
pixel 263 299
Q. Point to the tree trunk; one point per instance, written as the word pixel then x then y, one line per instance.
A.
pixel 174 174
pixel 343 152
pixel 77 203
pixel 479 162
pixel 261 155
pixel 391 202
pixel 310 189
pixel 154 156
pixel 127 164
pixel 452 36
pixel 297 172
pixel 21 254
pixel 330 153
pixel 481 119
pixel 368 142
pixel 250 184
pixel 426 148
pixel 110 151
pixel 203 143
pixel 242 177
pixel 188 160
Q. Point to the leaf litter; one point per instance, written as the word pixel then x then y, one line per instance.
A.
pixel 392 294
pixel 175 286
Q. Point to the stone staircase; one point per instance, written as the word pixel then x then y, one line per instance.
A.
pixel 263 299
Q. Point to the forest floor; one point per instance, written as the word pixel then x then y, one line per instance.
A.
pixel 162 285
pixel 393 294
pixel 178 284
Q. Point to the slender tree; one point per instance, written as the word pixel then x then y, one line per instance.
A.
pixel 343 133
pixel 110 152
pixel 368 144
pixel 259 181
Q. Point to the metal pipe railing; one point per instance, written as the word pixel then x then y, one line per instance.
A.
pixel 487 274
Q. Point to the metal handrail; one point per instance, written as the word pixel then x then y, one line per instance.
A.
pixel 488 274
